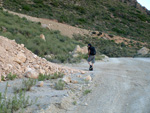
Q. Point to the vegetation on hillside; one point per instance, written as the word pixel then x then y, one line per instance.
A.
pixel 28 33
pixel 109 16
pixel 109 47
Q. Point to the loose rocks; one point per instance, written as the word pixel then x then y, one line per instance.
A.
pixel 16 59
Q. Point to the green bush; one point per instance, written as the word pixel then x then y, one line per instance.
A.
pixel 26 7
pixel 99 57
pixel 25 86
pixel 12 104
pixel 48 77
pixel 74 102
pixel 44 77
pixel 11 76
pixel 57 75
pixel 87 92
pixel 60 85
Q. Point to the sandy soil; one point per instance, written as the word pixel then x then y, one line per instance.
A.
pixel 120 86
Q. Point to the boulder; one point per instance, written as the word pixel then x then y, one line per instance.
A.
pixel 143 51
pixel 82 72
pixel 22 45
pixel 45 26
pixel 40 84
pixel 9 85
pixel 50 56
pixel 86 104
pixel 20 58
pixel 36 66
pixel 42 37
pixel 75 55
pixel 84 50
pixel 78 49
pixel 67 79
pixel 31 73
pixel 88 78
pixel 105 58
pixel 42 71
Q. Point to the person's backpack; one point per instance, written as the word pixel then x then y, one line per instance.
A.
pixel 92 51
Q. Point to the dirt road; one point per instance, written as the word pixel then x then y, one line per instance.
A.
pixel 65 29
pixel 120 86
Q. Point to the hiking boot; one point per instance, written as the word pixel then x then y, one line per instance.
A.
pixel 91 68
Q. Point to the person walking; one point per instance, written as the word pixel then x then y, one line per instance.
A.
pixel 91 56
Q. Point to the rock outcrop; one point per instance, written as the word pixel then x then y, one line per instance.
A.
pixel 83 50
pixel 78 49
pixel 143 51
pixel 16 59
pixel 42 37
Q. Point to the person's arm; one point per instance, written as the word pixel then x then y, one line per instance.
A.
pixel 89 53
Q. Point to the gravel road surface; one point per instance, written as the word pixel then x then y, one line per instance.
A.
pixel 121 85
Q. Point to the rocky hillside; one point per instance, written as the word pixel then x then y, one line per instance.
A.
pixel 112 16
pixel 16 59
pixel 56 47
pixel 135 4
pixel 31 33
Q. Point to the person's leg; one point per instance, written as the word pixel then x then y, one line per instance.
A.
pixel 93 61
pixel 89 60
pixel 92 64
pixel 89 63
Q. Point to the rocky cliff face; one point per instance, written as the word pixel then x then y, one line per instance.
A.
pixel 135 4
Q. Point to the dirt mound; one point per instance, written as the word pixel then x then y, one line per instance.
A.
pixel 16 59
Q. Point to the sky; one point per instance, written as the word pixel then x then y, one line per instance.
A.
pixel 145 3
